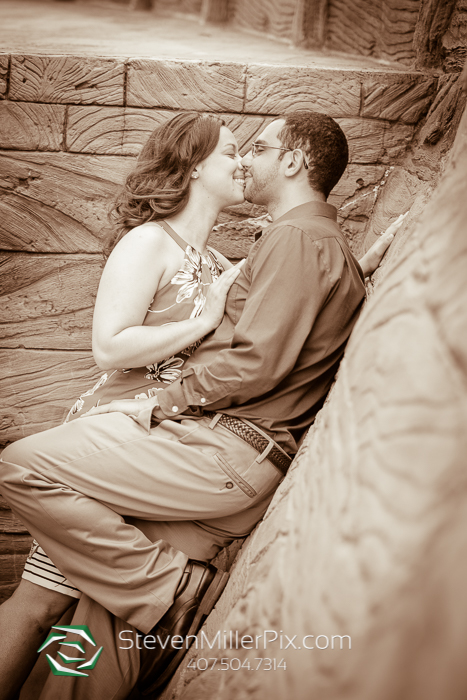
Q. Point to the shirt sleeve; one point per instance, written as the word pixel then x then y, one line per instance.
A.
pixel 289 282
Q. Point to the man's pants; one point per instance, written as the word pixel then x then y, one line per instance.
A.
pixel 72 486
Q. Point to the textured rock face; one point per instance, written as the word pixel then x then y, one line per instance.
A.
pixel 366 537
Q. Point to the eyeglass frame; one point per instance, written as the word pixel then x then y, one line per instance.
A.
pixel 254 146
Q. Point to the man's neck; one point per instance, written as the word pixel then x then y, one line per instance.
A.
pixel 286 203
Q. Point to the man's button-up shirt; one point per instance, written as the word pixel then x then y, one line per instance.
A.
pixel 287 319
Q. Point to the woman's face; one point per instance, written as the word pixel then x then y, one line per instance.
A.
pixel 221 174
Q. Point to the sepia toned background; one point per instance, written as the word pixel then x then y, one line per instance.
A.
pixel 367 534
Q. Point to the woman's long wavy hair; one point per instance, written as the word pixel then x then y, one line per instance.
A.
pixel 159 185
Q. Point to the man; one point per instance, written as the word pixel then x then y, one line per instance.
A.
pixel 230 425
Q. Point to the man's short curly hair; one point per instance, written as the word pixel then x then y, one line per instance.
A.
pixel 323 144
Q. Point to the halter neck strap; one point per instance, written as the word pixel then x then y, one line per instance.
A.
pixel 168 229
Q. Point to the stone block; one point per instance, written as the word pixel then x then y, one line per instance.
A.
pixel 124 130
pixel 4 65
pixel 46 301
pixel 382 29
pixel 38 388
pixel 373 141
pixel 235 238
pixel 405 97
pixel 213 87
pixel 111 130
pixel 245 128
pixel 14 543
pixel 67 80
pixel 274 17
pixel 63 196
pixel 278 89
pixel 31 127
pixel 357 184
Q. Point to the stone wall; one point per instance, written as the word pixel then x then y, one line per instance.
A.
pixel 71 128
pixel 364 544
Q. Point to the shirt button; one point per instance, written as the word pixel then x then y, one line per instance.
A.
pixel 203 400
pixel 229 485
pixel 175 409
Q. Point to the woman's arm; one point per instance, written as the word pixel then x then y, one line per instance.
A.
pixel 143 261
pixel 372 258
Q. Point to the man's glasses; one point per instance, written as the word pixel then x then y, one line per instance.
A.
pixel 255 146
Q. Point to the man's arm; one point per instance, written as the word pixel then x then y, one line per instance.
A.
pixel 291 276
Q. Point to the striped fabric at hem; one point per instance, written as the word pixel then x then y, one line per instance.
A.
pixel 39 569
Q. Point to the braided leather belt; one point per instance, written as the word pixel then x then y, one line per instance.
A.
pixel 278 458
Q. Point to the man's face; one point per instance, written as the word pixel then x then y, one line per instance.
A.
pixel 262 182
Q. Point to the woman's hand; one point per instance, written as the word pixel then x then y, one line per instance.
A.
pixel 130 407
pixel 216 296
pixel 373 256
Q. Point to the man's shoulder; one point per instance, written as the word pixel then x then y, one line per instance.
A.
pixel 314 228
pixel 310 230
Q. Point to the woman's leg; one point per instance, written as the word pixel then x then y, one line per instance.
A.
pixel 72 485
pixel 25 620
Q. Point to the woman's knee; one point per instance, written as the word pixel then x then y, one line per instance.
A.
pixel 41 606
pixel 18 452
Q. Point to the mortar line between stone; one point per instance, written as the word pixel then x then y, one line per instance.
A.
pixel 125 82
pixel 65 130
pixel 7 79
pixel 245 74
pixel 37 253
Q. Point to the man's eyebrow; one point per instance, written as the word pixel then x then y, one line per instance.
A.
pixel 260 142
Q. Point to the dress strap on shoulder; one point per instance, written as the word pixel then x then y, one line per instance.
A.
pixel 168 229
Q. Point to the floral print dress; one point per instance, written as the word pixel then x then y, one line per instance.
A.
pixel 183 297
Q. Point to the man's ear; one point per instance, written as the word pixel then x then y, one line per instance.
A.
pixel 295 162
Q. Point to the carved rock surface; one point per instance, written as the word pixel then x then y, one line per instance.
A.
pixel 67 79
pixel 398 99
pixel 63 196
pixel 195 85
pixel 38 388
pixel 46 301
pixel 124 130
pixel 380 28
pixel 267 16
pixel 31 127
pixel 276 89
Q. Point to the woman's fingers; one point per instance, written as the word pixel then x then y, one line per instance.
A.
pixel 373 256
pixel 130 407
pixel 392 228
pixel 216 295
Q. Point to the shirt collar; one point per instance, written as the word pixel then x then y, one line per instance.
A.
pixel 310 209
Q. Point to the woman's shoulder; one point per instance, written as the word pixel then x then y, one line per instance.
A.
pixel 146 239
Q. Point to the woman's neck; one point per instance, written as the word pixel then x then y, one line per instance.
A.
pixel 194 224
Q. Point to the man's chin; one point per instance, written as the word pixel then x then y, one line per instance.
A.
pixel 249 194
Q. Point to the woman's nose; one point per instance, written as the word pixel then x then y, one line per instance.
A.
pixel 247 158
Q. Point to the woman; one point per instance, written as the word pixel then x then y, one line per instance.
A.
pixel 162 290
pixel 152 308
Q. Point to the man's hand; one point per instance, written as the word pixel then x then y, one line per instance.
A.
pixel 130 407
